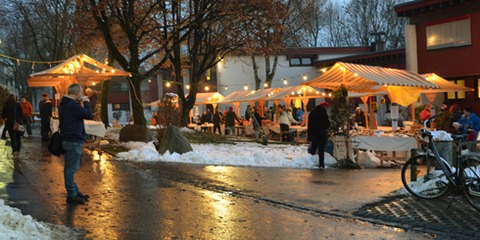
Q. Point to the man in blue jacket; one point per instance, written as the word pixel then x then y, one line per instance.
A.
pixel 74 108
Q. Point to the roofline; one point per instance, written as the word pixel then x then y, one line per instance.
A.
pixel 361 58
pixel 422 6
pixel 312 51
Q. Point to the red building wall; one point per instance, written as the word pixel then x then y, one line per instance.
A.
pixel 452 63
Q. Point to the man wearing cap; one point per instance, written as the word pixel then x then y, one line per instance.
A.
pixel 359 118
pixel 45 107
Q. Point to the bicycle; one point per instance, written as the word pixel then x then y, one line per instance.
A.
pixel 427 175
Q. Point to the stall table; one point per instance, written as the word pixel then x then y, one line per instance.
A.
pixel 384 143
pixel 208 126
pixel 295 128
pixel 91 127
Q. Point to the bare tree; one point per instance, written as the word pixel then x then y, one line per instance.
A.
pixel 175 35
pixel 304 23
pixel 367 17
pixel 335 33
pixel 268 40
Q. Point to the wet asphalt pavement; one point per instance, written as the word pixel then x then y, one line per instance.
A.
pixel 132 200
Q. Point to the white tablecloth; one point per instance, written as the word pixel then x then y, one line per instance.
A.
pixel 294 128
pixel 91 127
pixel 384 143
pixel 197 127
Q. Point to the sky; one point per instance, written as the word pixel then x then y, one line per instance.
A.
pixel 14 225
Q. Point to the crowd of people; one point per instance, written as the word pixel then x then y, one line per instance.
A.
pixel 456 120
pixel 74 108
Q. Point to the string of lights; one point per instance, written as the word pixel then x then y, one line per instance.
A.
pixel 19 60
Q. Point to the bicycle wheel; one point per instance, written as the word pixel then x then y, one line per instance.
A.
pixel 471 181
pixel 423 180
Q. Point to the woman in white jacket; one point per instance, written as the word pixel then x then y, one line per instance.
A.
pixel 286 119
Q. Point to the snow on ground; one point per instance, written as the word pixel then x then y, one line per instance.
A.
pixel 239 154
pixel 14 225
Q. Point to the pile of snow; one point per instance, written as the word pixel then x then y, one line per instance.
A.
pixel 14 225
pixel 239 154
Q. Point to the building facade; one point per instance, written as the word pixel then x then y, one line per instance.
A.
pixel 443 36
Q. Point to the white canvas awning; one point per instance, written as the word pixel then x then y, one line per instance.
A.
pixel 236 96
pixel 209 98
pixel 443 85
pixel 361 78
pixel 259 95
pixel 297 92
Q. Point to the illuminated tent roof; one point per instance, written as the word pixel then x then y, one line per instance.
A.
pixel 209 98
pixel 80 69
pixel 443 84
pixel 296 92
pixel 361 78
pixel 237 96
pixel 259 95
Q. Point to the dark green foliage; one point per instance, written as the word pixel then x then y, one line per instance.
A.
pixel 341 112
pixel 3 98
pixel 170 111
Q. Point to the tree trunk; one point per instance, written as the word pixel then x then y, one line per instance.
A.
pixel 104 102
pixel 136 99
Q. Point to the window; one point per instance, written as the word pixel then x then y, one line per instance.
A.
pixel 301 61
pixel 457 95
pixel 120 106
pixel 454 33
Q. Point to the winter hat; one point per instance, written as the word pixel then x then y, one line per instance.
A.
pixel 468 109
pixel 324 104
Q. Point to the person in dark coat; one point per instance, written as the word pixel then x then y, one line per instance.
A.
pixel 217 119
pixel 230 119
pixel 74 109
pixel 359 118
pixel 92 96
pixel 318 124
pixel 12 113
pixel 45 107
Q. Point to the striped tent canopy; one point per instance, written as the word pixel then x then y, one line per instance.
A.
pixel 363 78
pixel 259 95
pixel 297 92
pixel 443 85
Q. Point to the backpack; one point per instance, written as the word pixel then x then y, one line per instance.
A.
pixel 55 145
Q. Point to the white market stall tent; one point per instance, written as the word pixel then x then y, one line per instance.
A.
pixel 364 78
pixel 235 98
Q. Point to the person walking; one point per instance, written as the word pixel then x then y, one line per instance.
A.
pixel 27 111
pixel 12 113
pixel 74 109
pixel 45 107
pixel 318 124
